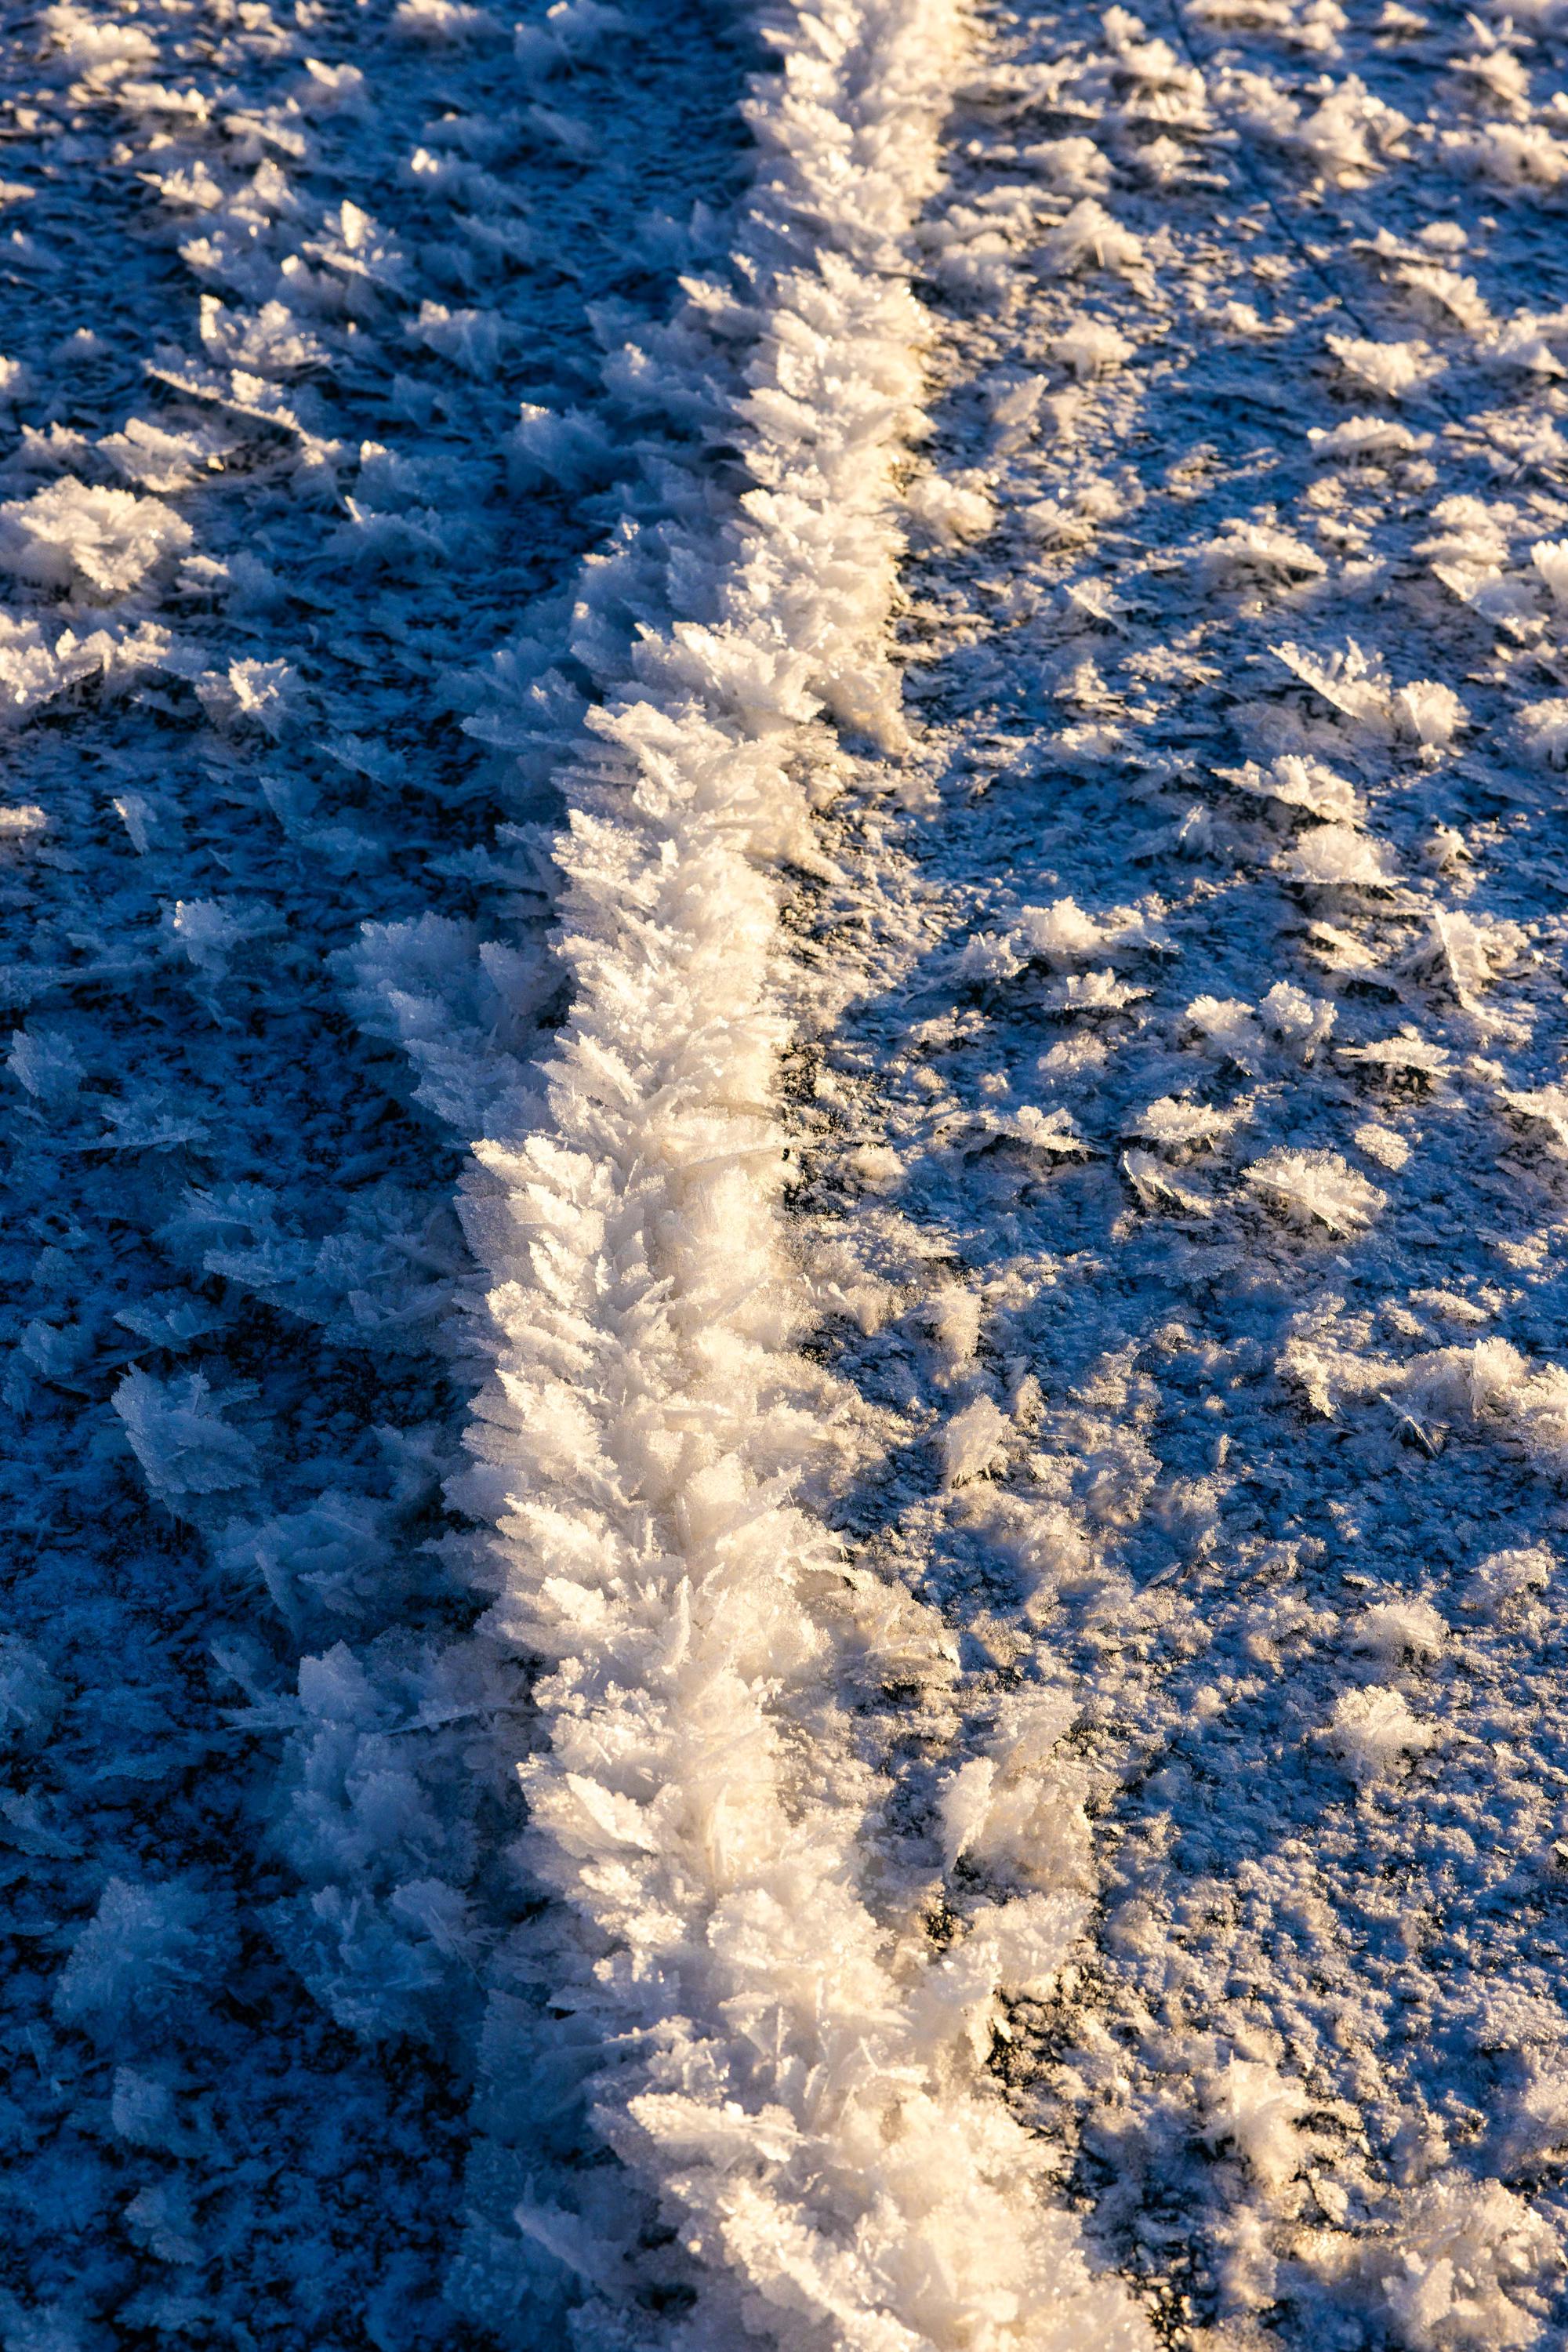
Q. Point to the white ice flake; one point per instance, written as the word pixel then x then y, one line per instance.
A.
pixel 1258 551
pixel 1075 166
pixel 1052 524
pixel 144 1952
pixel 1544 726
pixel 1092 992
pixel 46 1065
pixel 1312 26
pixel 1367 440
pixel 1337 857
pixel 1445 295
pixel 1392 369
pixel 1316 1188
pixel 96 543
pixel 1091 238
pixel 1549 557
pixel 1543 1112
pixel 1228 1023
pixel 1465 956
pixel 1519 345
pixel 954 1318
pixel 1183 1126
pixel 1091 347
pixel 948 512
pixel 1504 1577
pixel 974 1441
pixel 106 48
pixel 1353 681
pixel 1408 1055
pixel 264 693
pixel 1510 155
pixel 179 1436
pixel 1373 1732
pixel 1300 1022
pixel 1471 541
pixel 21 823
pixel 1017 1810
pixel 1158 1187
pixel 1428 712
pixel 1250 2106
pixel 437 22
pixel 1065 934
pixel 329 89
pixel 472 340
pixel 206 931
pixel 1297 783
pixel 269 342
pixel 1536 2129
pixel 1394 1631
pixel 155 459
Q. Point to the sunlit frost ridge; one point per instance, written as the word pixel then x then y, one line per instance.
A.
pixel 797 2079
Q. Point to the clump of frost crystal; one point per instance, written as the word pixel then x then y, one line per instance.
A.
pixel 1391 369
pixel 1297 783
pixel 1018 1811
pixel 1316 1188
pixel 1544 728
pixel 1461 2270
pixel 1335 857
pixel 95 542
pixel 1504 1577
pixel 974 1441
pixel 1373 1731
pixel 1254 2109
pixel 144 1952
pixel 178 1434
pixel 1393 1629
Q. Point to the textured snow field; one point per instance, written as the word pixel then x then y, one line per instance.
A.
pixel 786 1410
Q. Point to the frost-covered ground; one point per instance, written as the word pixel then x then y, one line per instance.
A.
pixel 1194 1161
pixel 998 1268
pixel 276 286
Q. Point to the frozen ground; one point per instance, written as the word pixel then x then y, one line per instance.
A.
pixel 1191 1165
pixel 275 288
pixel 1021 1405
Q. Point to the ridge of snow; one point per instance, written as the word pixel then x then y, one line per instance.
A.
pixel 795 2073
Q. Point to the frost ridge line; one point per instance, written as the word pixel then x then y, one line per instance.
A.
pixel 797 2081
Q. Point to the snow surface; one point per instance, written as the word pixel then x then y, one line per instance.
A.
pixel 786 1151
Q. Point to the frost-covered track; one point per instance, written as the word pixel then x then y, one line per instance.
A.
pixel 275 286
pixel 1188 1175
